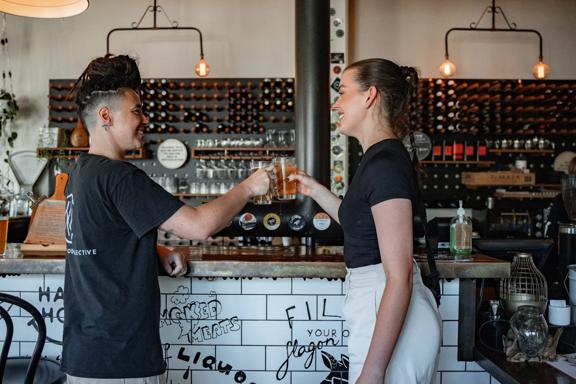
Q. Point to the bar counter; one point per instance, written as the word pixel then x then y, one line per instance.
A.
pixel 272 313
pixel 272 262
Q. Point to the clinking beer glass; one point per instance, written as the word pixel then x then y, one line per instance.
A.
pixel 284 167
pixel 267 198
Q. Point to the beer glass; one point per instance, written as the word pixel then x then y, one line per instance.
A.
pixel 262 199
pixel 284 167
pixel 3 234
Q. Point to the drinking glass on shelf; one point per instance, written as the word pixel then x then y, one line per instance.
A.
pixel 262 199
pixel 283 168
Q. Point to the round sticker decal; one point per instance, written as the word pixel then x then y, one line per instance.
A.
pixel 321 221
pixel 271 221
pixel 296 222
pixel 247 221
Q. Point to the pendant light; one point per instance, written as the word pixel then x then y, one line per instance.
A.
pixel 48 9
pixel 202 69
pixel 448 68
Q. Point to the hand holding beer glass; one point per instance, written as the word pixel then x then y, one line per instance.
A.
pixel 284 167
pixel 266 198
pixel 279 171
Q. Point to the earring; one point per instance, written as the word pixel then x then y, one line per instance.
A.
pixel 105 126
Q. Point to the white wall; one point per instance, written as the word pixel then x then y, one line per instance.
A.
pixel 412 33
pixel 242 38
pixel 255 38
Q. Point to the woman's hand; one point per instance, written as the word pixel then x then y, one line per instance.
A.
pixel 307 185
pixel 258 183
pixel 174 263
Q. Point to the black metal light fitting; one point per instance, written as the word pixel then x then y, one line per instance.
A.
pixel 448 68
pixel 202 69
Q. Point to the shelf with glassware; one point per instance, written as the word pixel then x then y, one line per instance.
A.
pixel 521 151
pixel 73 152
pixel 244 153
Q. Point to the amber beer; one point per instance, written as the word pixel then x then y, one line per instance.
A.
pixel 284 167
pixel 3 234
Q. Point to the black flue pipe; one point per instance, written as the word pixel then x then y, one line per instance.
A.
pixel 312 107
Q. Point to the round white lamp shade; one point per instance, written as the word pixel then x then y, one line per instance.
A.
pixel 43 8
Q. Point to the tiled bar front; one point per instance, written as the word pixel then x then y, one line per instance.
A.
pixel 225 330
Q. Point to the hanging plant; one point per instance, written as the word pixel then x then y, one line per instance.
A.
pixel 8 111
pixel 8 104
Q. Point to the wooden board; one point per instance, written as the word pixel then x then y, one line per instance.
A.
pixel 46 234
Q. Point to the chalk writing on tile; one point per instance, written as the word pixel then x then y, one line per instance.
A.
pixel 214 330
pixel 198 360
pixel 293 350
pixel 338 368
pixel 289 317
pixel 45 295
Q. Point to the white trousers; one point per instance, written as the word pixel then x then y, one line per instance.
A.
pixel 415 357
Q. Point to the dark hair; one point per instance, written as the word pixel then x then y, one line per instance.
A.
pixel 397 85
pixel 105 76
pixel 572 166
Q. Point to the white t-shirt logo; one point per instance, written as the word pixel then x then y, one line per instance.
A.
pixel 68 215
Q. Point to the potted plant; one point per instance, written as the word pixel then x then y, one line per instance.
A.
pixel 8 111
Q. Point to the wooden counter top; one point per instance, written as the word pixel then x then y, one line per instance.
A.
pixel 270 262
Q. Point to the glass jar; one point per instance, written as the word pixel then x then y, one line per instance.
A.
pixel 530 328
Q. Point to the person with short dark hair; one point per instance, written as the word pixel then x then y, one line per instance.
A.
pixel 395 327
pixel 113 211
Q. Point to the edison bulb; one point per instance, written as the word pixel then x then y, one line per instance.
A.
pixel 447 68
pixel 202 69
pixel 540 70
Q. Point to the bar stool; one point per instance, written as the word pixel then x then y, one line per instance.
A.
pixel 27 370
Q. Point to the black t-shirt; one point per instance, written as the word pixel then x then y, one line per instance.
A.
pixel 385 172
pixel 111 291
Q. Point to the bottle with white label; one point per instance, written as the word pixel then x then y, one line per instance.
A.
pixel 461 234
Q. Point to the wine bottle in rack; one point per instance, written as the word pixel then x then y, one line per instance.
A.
pixel 200 128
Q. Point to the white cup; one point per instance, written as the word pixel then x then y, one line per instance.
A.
pixel 559 315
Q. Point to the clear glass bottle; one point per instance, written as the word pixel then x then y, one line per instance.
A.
pixel 461 234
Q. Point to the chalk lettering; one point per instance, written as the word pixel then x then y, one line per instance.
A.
pixel 295 350
pixel 324 310
pixel 182 356
pixel 288 315
pixel 209 362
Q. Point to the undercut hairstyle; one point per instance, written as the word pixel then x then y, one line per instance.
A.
pixel 103 82
pixel 396 85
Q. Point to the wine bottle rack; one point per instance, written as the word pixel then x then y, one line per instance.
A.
pixel 200 113
pixel 511 107
pixel 215 106
pixel 486 125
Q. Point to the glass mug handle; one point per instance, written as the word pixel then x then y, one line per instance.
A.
pixel 273 186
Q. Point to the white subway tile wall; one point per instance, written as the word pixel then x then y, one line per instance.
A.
pixel 259 330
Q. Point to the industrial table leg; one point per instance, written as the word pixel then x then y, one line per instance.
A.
pixel 467 320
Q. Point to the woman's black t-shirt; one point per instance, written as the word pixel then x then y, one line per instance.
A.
pixel 385 172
